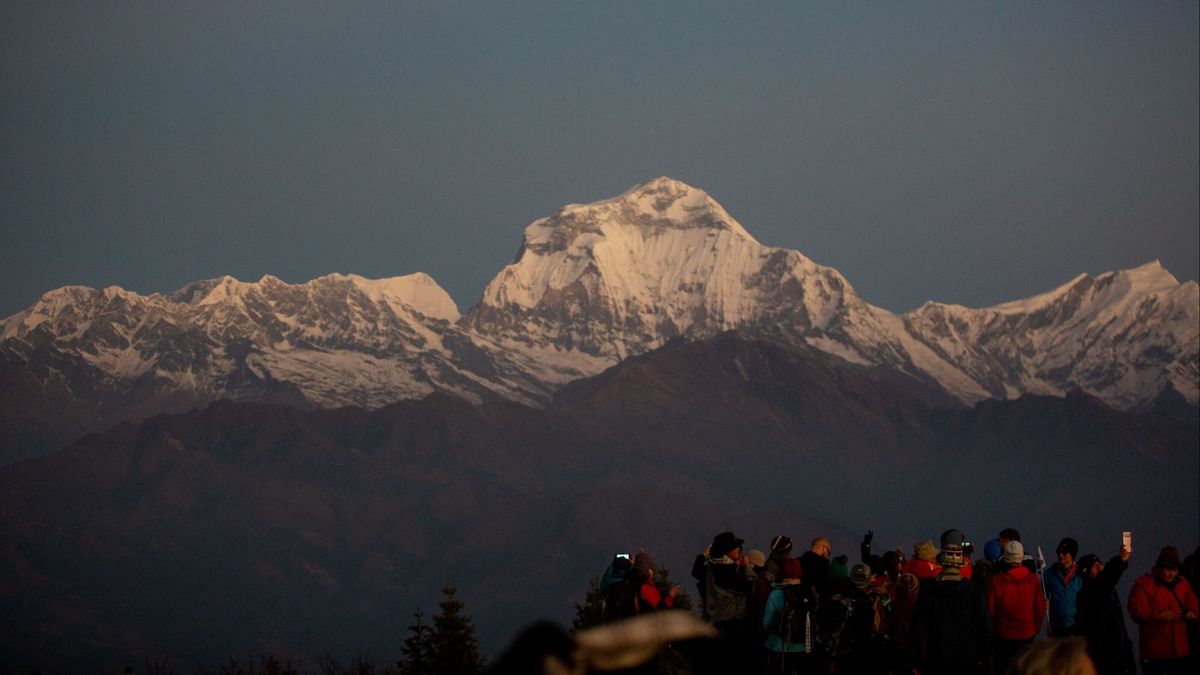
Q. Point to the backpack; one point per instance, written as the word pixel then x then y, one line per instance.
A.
pixel 833 630
pixel 796 620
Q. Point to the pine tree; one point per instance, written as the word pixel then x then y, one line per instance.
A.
pixel 591 612
pixel 415 655
pixel 662 581
pixel 455 649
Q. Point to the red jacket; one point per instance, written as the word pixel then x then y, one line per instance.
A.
pixel 1016 603
pixel 922 569
pixel 1147 600
pixel 649 599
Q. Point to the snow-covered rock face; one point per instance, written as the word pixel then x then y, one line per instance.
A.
pixel 1122 336
pixel 340 339
pixel 595 284
pixel 624 275
pixel 621 276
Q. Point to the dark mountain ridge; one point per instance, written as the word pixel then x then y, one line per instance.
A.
pixel 248 526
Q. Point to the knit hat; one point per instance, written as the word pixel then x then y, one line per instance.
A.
pixel 790 569
pixel 757 558
pixel 1068 545
pixel 1168 558
pixel 925 550
pixel 1085 563
pixel 1010 534
pixel 992 550
pixel 723 543
pixel 1014 553
pixel 781 544
pixel 860 575
pixel 838 569
pixel 953 539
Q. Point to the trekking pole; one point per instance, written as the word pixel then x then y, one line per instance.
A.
pixel 1041 567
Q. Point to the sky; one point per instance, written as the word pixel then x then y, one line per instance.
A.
pixel 971 153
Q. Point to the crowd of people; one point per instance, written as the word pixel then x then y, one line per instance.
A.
pixel 940 611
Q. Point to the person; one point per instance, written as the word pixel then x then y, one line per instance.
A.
pixel 619 589
pixel 1161 603
pixel 814 565
pixel 781 550
pixel 649 598
pixel 1099 616
pixel 726 580
pixel 951 630
pixel 900 623
pixel 1062 587
pixel 789 633
pixel 758 597
pixel 1016 605
pixel 857 647
pixel 923 564
pixel 994 549
pixel 1053 657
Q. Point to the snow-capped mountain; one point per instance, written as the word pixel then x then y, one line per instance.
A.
pixel 1124 337
pixel 106 355
pixel 624 275
pixel 593 285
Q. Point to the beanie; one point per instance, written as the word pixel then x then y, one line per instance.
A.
pixel 860 575
pixel 757 558
pixel 781 544
pixel 1014 553
pixel 1168 558
pixel 1068 545
pixel 791 569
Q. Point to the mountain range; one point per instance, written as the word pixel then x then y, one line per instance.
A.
pixel 296 469
pixel 592 285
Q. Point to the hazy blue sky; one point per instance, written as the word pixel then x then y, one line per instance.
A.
pixel 966 152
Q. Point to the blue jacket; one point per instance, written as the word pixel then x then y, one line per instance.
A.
pixel 773 613
pixel 1062 594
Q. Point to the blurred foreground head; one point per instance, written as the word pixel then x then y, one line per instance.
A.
pixel 616 647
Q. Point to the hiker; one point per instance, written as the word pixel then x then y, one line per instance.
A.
pixel 727 580
pixel 814 565
pixel 1016 605
pixel 649 598
pixel 900 623
pixel 781 550
pixel 1062 586
pixel 1161 603
pixel 620 589
pixel 787 621
pixel 1099 616
pixel 923 564
pixel 951 631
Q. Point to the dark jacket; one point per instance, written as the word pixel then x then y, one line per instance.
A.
pixel 814 572
pixel 724 587
pixel 951 631
pixel 1100 619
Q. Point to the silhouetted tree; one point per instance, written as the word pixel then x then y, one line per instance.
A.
pixel 455 648
pixel 416 654
pixel 591 612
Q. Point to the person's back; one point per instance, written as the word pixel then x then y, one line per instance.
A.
pixel 950 626
pixel 1016 603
